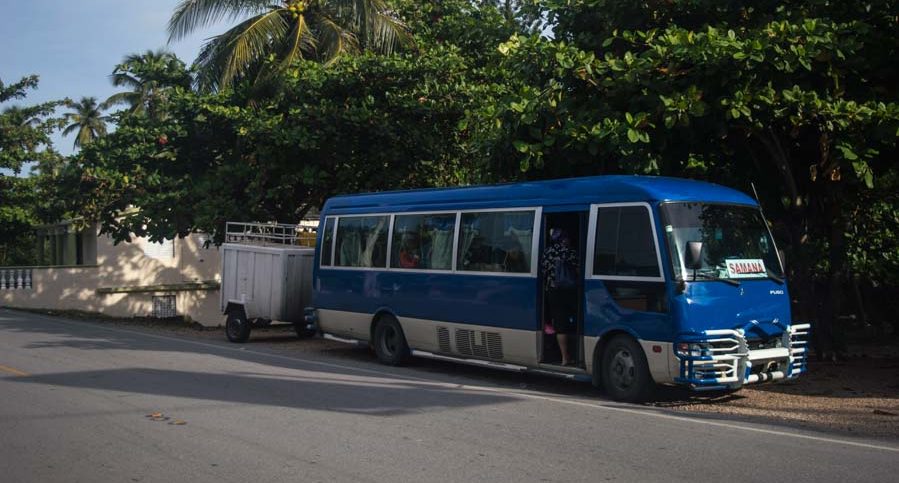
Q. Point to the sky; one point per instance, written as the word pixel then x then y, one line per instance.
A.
pixel 73 45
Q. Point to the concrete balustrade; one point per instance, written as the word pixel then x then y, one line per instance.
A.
pixel 16 278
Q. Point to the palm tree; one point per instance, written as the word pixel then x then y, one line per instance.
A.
pixel 274 33
pixel 87 119
pixel 149 76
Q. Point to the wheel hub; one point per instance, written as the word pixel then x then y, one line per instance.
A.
pixel 235 326
pixel 390 340
pixel 623 369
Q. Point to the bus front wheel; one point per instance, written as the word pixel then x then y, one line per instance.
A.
pixel 390 343
pixel 625 373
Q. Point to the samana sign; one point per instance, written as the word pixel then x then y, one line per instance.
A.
pixel 746 268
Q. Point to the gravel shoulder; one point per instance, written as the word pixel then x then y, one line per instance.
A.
pixel 858 396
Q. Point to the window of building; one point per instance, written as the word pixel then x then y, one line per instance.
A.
pixel 423 241
pixel 164 307
pixel 498 241
pixel 362 241
pixel 624 243
pixel 164 250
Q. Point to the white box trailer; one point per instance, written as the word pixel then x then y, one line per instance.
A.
pixel 266 277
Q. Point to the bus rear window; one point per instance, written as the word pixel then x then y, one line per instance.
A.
pixel 496 241
pixel 362 241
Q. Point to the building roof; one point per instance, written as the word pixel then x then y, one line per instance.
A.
pixel 586 190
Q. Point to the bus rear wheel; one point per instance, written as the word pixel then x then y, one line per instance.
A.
pixel 625 373
pixel 390 343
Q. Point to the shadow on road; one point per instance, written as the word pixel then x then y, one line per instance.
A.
pixel 95 337
pixel 327 358
pixel 307 390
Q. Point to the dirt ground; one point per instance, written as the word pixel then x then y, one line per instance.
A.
pixel 858 395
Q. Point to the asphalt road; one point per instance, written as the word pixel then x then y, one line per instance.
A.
pixel 75 396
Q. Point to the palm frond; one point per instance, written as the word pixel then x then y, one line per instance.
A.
pixel 124 79
pixel 190 15
pixel 299 41
pixel 376 25
pixel 130 98
pixel 70 129
pixel 228 56
pixel 334 40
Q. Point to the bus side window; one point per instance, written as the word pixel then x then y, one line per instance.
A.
pixel 423 242
pixel 496 241
pixel 624 243
pixel 362 241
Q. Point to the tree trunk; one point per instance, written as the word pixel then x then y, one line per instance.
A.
pixel 801 284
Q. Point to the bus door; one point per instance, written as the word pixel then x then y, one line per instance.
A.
pixel 573 226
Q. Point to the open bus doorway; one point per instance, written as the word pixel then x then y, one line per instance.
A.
pixel 574 226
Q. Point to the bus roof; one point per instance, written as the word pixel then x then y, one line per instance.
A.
pixel 570 191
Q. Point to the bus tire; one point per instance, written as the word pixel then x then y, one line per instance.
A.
pixel 389 341
pixel 237 327
pixel 625 373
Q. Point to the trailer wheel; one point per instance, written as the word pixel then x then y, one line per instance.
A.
pixel 390 343
pixel 625 373
pixel 237 327
pixel 302 331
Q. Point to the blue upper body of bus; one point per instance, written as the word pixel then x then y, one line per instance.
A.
pixel 689 304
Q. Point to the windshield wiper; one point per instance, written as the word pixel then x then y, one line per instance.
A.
pixel 707 276
pixel 774 277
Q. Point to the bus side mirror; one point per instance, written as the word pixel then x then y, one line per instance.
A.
pixel 783 259
pixel 693 257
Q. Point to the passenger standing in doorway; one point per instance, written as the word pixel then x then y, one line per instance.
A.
pixel 560 265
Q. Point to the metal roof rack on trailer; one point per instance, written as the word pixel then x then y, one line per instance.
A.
pixel 268 234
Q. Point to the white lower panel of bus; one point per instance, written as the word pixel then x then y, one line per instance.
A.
pixel 461 340
pixel 492 344
pixel 351 325
pixel 508 346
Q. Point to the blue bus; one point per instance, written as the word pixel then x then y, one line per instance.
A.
pixel 676 281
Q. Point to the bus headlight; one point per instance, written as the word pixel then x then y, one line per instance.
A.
pixel 692 349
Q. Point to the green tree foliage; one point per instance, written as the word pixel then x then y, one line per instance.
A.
pixel 368 122
pixel 798 97
pixel 24 138
pixel 365 122
pixel 25 130
pixel 273 35
pixel 677 86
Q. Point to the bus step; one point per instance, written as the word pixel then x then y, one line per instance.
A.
pixel 473 362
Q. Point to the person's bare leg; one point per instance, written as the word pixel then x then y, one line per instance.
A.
pixel 563 346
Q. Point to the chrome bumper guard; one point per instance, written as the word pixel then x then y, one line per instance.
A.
pixel 721 359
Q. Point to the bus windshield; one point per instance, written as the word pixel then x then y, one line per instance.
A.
pixel 736 243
